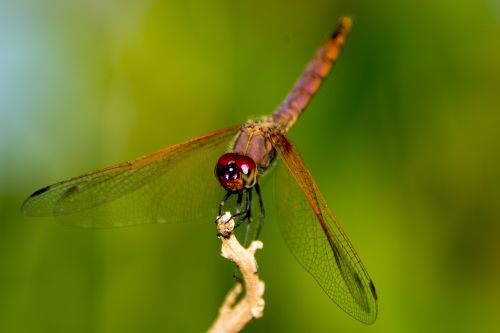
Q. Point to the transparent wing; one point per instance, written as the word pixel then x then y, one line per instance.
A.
pixel 317 240
pixel 176 183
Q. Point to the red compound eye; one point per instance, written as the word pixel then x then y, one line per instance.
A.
pixel 235 171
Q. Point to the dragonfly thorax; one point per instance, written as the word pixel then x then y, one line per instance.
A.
pixel 235 172
pixel 253 141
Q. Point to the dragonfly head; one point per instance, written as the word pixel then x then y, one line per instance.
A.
pixel 235 172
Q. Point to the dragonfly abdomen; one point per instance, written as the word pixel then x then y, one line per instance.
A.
pixel 312 77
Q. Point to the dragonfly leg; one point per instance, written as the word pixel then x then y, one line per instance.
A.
pixel 223 201
pixel 245 215
pixel 249 216
pixel 242 215
pixel 262 210
pixel 238 202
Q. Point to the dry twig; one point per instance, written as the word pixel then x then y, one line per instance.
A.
pixel 234 317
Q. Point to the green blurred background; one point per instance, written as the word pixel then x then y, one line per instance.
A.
pixel 403 140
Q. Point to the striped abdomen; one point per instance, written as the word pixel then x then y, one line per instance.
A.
pixel 312 77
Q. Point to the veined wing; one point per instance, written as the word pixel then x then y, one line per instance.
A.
pixel 317 240
pixel 172 184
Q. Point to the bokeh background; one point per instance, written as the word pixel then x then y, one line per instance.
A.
pixel 403 140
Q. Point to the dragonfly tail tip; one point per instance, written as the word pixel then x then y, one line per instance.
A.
pixel 343 27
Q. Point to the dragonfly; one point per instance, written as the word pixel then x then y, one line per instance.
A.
pixel 177 183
